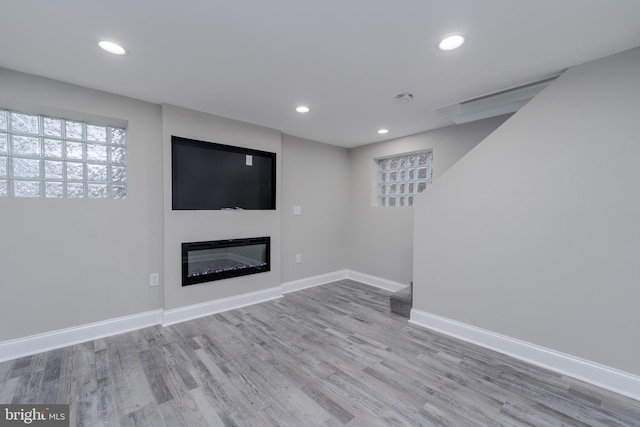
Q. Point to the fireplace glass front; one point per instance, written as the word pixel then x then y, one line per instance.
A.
pixel 223 259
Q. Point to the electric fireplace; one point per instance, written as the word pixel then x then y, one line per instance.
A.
pixel 223 259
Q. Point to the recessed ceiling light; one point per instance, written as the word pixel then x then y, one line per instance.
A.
pixel 451 42
pixel 302 109
pixel 383 131
pixel 112 47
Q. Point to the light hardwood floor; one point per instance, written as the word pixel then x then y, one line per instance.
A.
pixel 328 356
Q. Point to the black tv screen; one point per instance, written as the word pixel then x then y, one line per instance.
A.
pixel 210 176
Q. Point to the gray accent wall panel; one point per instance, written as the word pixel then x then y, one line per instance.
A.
pixel 196 226
pixel 535 233
pixel 315 176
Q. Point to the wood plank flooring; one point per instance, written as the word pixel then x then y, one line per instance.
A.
pixel 333 355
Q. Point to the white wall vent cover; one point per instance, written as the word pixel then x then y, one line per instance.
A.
pixel 494 104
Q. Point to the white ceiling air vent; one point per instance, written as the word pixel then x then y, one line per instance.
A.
pixel 494 104
pixel 404 98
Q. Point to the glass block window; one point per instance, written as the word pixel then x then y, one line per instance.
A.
pixel 52 157
pixel 400 178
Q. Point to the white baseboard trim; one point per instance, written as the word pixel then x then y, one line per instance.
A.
pixel 378 282
pixel 594 373
pixel 33 344
pixel 310 282
pixel 177 315
pixel 25 346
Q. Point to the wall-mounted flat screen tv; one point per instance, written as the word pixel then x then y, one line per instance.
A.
pixel 210 176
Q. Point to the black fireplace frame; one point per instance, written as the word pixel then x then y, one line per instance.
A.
pixel 227 274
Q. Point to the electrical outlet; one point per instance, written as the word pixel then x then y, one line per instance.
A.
pixel 298 258
pixel 154 279
pixel 297 210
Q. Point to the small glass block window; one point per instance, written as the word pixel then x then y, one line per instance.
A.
pixel 400 178
pixel 55 158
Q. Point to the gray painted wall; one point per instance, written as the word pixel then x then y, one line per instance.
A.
pixel 195 226
pixel 380 240
pixel 535 233
pixel 70 262
pixel 315 176
pixel 86 251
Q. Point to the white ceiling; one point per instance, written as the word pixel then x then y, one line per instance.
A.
pixel 256 60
